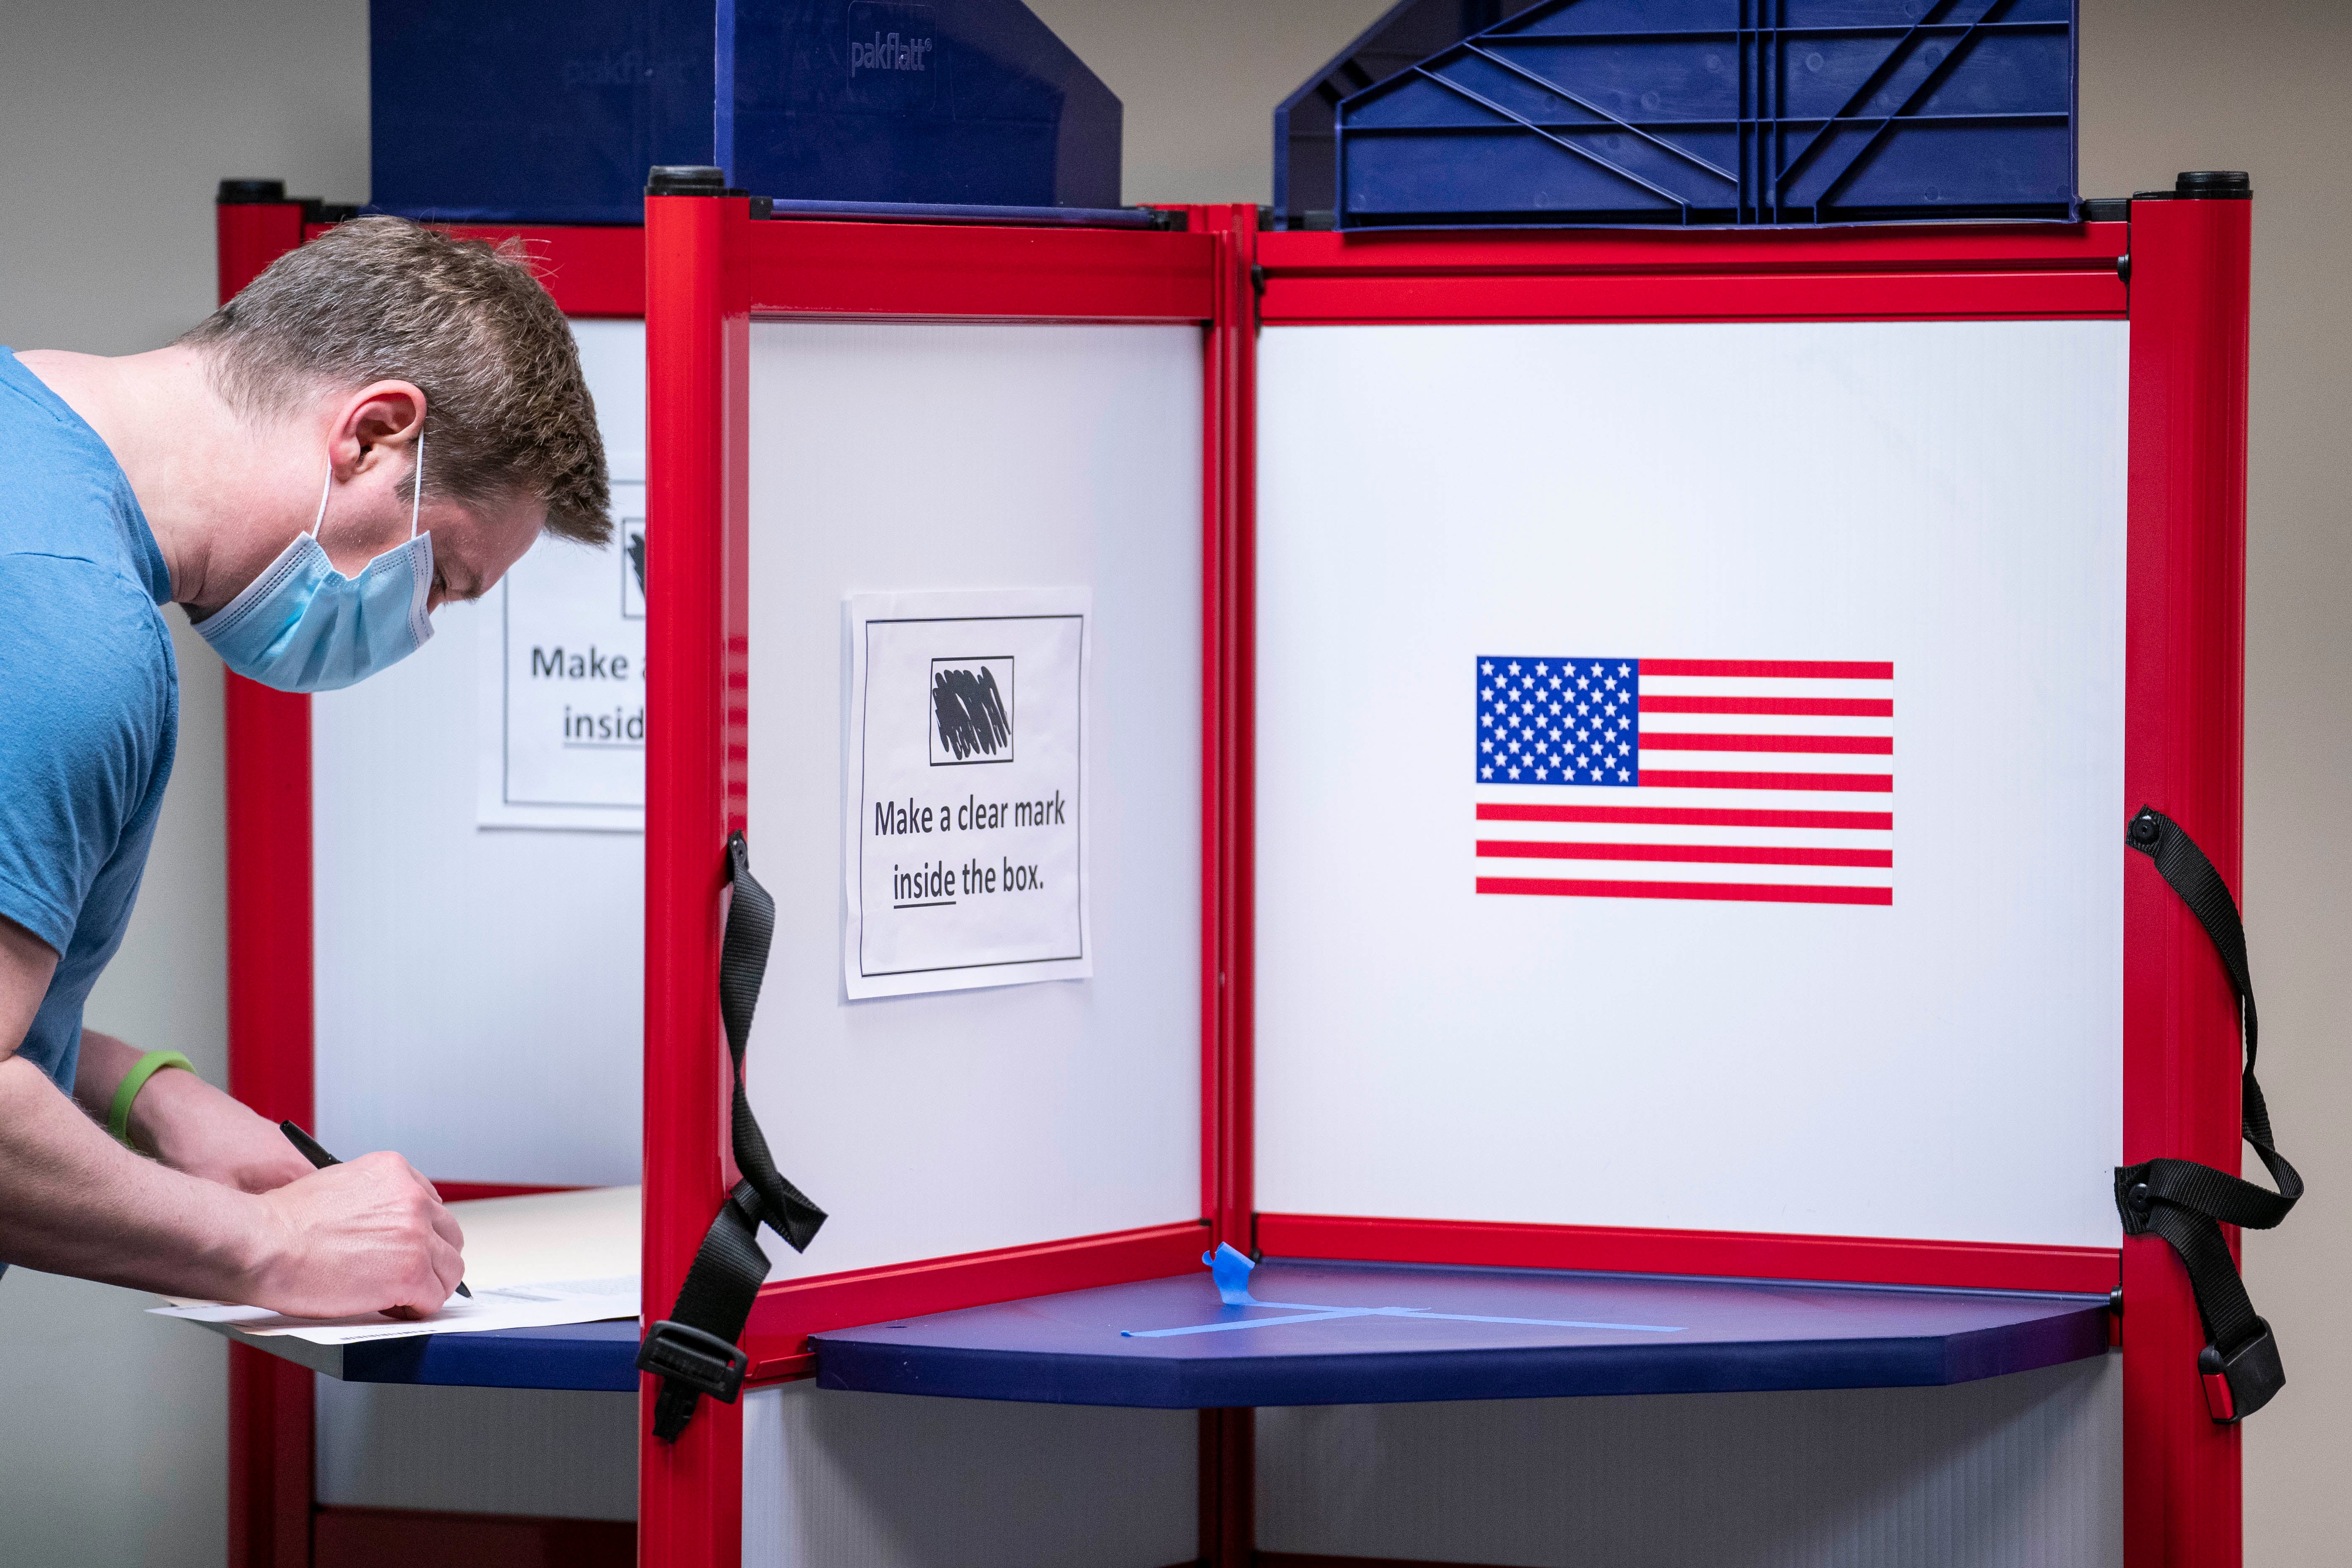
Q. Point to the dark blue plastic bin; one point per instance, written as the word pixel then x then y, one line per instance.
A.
pixel 1723 113
pixel 1305 123
pixel 551 110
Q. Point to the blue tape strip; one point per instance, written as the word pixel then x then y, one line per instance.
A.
pixel 1231 1269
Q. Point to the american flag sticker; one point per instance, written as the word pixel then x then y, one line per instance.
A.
pixel 1764 780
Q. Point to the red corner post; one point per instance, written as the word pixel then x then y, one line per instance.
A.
pixel 2184 676
pixel 1229 620
pixel 690 1492
pixel 268 829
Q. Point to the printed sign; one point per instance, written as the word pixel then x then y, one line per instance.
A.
pixel 563 684
pixel 965 848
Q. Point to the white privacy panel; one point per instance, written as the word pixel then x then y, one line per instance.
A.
pixel 554 1453
pixel 2010 1472
pixel 882 1480
pixel 1830 947
pixel 914 457
pixel 479 996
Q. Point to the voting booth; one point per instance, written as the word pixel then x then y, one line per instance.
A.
pixel 1517 1084
pixel 1435 895
pixel 1380 1007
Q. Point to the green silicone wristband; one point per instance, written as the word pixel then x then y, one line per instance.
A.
pixel 118 1116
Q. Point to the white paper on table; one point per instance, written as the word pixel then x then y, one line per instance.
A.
pixel 530 1262
pixel 506 1307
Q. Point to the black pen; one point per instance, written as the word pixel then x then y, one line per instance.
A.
pixel 320 1158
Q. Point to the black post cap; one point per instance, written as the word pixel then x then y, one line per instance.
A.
pixel 686 180
pixel 2213 186
pixel 248 192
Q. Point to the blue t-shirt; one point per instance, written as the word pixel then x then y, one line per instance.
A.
pixel 89 697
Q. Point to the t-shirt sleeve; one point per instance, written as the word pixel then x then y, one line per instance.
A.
pixel 83 704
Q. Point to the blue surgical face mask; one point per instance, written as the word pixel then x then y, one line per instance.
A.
pixel 302 626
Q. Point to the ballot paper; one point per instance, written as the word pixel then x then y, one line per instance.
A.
pixel 492 1307
pixel 530 1262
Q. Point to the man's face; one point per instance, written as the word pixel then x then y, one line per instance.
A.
pixel 474 544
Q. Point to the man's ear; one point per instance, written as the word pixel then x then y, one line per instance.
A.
pixel 374 424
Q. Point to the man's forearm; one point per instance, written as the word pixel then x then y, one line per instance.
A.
pixel 72 1201
pixel 185 1123
pixel 100 1070
pixel 369 1236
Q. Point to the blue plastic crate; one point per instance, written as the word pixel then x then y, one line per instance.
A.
pixel 1305 123
pixel 551 110
pixel 1723 113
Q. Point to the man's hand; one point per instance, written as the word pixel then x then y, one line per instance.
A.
pixel 364 1238
pixel 187 1123
pixel 367 1236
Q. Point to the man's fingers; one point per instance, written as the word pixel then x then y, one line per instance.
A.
pixel 423 1181
pixel 446 1226
pixel 411 1172
pixel 444 1266
pixel 448 1268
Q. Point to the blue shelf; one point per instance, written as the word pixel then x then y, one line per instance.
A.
pixel 1341 1334
pixel 592 1357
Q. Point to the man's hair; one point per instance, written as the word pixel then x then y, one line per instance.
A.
pixel 381 299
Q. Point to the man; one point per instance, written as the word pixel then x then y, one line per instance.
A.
pixel 269 472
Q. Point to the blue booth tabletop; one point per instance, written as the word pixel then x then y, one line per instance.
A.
pixel 594 1356
pixel 1317 1333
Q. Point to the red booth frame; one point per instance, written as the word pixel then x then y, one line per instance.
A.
pixel 2177 271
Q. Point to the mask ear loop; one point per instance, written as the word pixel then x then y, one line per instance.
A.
pixel 416 495
pixel 324 490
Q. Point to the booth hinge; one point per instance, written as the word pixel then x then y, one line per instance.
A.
pixel 2123 268
pixel 1257 281
pixel 688 180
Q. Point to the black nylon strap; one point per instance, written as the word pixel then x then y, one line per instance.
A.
pixel 2182 1201
pixel 730 1266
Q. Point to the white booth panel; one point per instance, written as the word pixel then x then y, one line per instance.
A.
pixel 554 1453
pixel 613 358
pixel 914 457
pixel 480 992
pixel 2010 1472
pixel 882 1480
pixel 1948 498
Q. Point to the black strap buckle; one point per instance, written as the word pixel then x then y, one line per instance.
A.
pixel 692 1351
pixel 2239 1384
pixel 2186 1202
pixel 700 1361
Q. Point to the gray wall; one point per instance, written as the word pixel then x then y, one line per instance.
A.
pixel 116 117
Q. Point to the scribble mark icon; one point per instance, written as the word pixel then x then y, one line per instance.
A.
pixel 633 569
pixel 971 711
